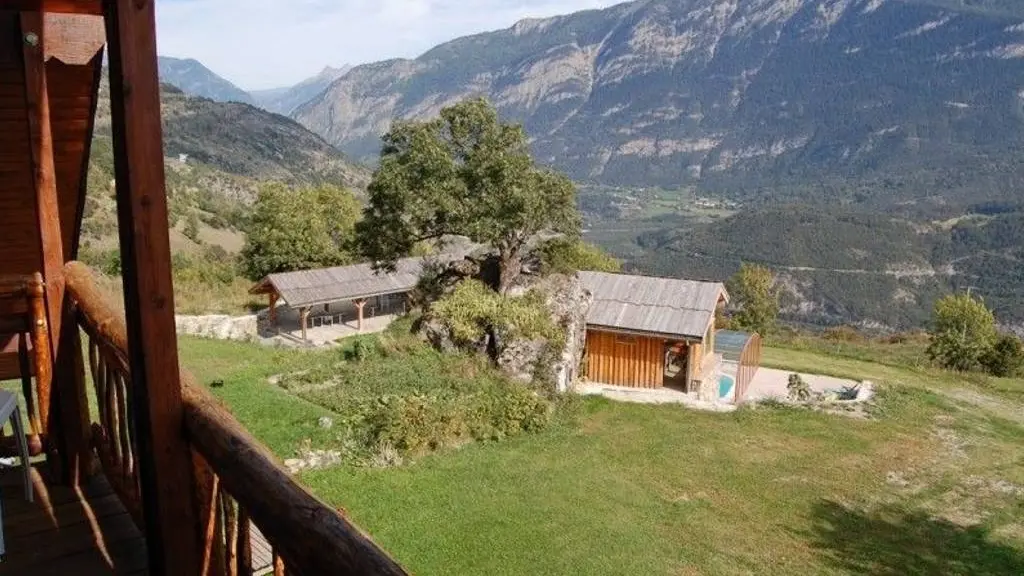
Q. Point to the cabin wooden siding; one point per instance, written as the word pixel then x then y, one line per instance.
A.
pixel 625 359
pixel 72 93
pixel 20 229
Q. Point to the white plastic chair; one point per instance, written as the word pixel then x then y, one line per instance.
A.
pixel 9 411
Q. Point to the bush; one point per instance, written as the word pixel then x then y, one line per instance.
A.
pixel 843 334
pixel 473 310
pixel 565 256
pixel 963 332
pixel 191 230
pixel 1005 358
pixel 410 397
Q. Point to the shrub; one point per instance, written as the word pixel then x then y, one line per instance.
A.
pixel 473 310
pixel 1005 358
pixel 191 230
pixel 963 331
pixel 843 334
pixel 568 256
pixel 414 399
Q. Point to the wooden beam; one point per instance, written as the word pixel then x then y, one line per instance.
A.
pixel 165 462
pixel 273 308
pixel 92 7
pixel 70 427
pixel 303 317
pixel 47 210
pixel 359 307
pixel 73 38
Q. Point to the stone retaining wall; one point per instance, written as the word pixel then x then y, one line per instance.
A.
pixel 219 326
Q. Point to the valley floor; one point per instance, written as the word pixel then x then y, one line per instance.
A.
pixel 932 483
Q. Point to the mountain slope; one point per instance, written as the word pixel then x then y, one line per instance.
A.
pixel 243 140
pixel 218 154
pixel 194 79
pixel 843 266
pixel 285 100
pixel 731 95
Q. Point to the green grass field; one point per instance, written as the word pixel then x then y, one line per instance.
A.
pixel 932 483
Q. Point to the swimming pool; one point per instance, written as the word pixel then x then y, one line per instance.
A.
pixel 725 384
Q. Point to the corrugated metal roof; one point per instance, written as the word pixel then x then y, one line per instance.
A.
pixel 324 285
pixel 652 305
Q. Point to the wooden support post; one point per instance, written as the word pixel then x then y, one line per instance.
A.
pixel 69 430
pixel 47 212
pixel 359 307
pixel 273 308
pixel 303 317
pixel 165 462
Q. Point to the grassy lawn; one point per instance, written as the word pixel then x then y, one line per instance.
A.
pixel 933 483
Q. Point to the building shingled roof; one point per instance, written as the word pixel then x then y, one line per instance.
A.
pixel 324 285
pixel 649 305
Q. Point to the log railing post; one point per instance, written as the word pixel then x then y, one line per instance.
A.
pixel 165 463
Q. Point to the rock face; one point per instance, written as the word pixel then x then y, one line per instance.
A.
pixel 537 361
pixel 569 302
pixel 220 327
pixel 676 92
pixel 285 100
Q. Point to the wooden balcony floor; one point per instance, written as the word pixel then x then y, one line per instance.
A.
pixel 67 532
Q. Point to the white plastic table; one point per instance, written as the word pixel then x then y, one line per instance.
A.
pixel 9 411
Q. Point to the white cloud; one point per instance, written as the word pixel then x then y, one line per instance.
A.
pixel 269 43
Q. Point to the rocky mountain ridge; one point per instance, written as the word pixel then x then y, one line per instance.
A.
pixel 193 78
pixel 286 100
pixel 724 93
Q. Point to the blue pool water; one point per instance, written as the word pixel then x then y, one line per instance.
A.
pixel 725 384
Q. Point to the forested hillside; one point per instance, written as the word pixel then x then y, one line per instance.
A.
pixel 840 266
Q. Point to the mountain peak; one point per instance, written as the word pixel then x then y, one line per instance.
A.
pixel 195 79
pixel 721 94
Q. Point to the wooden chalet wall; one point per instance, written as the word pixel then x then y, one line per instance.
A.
pixel 48 94
pixel 72 81
pixel 19 234
pixel 625 360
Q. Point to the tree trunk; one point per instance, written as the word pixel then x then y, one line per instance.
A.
pixel 510 265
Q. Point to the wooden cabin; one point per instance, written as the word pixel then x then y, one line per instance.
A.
pixel 647 332
pixel 158 478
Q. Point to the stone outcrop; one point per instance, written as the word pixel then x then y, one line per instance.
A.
pixel 220 327
pixel 539 361
pixel 568 302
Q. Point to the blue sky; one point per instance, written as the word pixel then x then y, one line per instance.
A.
pixel 270 43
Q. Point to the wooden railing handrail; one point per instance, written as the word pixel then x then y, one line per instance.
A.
pixel 309 535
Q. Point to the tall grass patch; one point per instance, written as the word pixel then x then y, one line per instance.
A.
pixel 394 392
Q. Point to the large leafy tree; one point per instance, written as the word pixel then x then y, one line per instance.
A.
pixel 963 332
pixel 299 229
pixel 465 173
pixel 755 298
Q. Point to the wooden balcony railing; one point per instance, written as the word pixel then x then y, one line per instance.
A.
pixel 239 486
